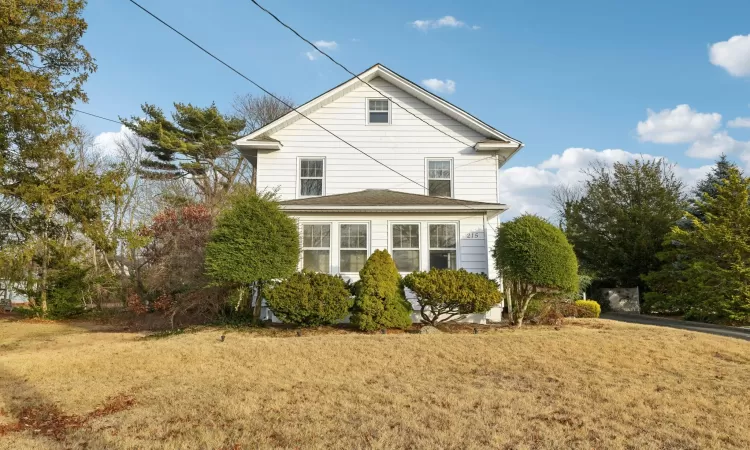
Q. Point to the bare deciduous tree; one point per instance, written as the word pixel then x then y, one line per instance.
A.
pixel 259 112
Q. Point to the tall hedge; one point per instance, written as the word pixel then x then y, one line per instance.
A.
pixel 380 301
pixel 252 243
pixel 534 257
pixel 310 299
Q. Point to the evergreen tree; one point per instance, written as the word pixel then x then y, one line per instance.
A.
pixel 196 144
pixel 380 301
pixel 617 224
pixel 706 267
pixel 709 186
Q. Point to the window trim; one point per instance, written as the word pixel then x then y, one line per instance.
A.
pixel 419 249
pixel 367 111
pixel 457 233
pixel 298 180
pixel 301 265
pixel 427 174
pixel 338 237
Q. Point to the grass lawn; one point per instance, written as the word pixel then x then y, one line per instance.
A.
pixel 590 384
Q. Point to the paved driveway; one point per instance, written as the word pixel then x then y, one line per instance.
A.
pixel 740 333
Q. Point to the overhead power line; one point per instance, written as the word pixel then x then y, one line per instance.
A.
pixel 354 74
pixel 222 62
pixel 98 117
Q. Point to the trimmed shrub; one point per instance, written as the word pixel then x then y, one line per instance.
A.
pixel 380 301
pixel 444 295
pixel 310 299
pixel 253 243
pixel 588 308
pixel 534 258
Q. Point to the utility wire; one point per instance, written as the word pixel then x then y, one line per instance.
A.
pixel 363 81
pixel 98 117
pixel 270 93
pixel 354 74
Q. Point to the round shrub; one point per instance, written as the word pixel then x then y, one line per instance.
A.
pixel 588 308
pixel 310 299
pixel 534 258
pixel 380 301
pixel 445 294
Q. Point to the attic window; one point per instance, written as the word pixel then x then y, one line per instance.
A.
pixel 378 111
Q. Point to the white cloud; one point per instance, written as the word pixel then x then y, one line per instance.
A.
pixel 740 122
pixel 442 86
pixel 106 142
pixel 682 124
pixel 528 189
pixel 732 55
pixel 443 22
pixel 327 45
pixel 716 145
pixel 322 44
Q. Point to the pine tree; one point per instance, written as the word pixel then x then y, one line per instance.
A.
pixel 196 144
pixel 709 185
pixel 706 271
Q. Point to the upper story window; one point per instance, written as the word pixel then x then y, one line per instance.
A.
pixel 378 111
pixel 311 175
pixel 440 177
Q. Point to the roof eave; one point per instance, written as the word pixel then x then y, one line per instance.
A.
pixel 401 208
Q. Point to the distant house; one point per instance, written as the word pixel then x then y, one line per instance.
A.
pixel 440 210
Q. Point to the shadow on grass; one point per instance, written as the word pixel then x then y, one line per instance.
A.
pixel 31 411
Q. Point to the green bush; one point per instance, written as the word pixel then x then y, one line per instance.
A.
pixel 253 243
pixel 445 294
pixel 588 308
pixel 380 301
pixel 535 258
pixel 310 299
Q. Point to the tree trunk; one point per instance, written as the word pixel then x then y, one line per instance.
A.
pixel 258 301
pixel 522 309
pixel 45 262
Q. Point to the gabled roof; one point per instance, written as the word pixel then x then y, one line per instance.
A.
pixel 379 70
pixel 386 200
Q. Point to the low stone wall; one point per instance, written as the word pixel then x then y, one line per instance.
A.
pixel 624 300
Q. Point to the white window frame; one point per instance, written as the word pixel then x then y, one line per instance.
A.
pixel 419 249
pixel 427 174
pixel 303 248
pixel 338 242
pixel 367 111
pixel 458 242
pixel 298 187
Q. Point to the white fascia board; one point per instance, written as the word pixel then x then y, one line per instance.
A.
pixel 259 145
pixel 419 208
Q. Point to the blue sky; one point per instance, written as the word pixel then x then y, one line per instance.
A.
pixel 569 79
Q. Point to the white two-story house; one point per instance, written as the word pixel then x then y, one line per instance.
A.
pixel 380 163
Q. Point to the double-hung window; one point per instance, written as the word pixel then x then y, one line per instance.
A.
pixel 440 177
pixel 353 247
pixel 378 110
pixel 316 247
pixel 442 246
pixel 311 174
pixel 405 246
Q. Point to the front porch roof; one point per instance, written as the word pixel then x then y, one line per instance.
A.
pixel 383 200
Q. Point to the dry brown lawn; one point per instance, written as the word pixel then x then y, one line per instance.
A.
pixel 590 384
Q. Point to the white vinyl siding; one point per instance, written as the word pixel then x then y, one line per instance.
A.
pixel 404 145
